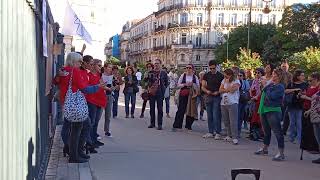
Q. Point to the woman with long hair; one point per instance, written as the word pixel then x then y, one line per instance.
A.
pixel 130 90
pixel 229 91
pixel 271 115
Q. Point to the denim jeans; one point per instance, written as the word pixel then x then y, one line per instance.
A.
pixel 95 113
pixel 130 97
pixel 229 115
pixel 241 116
pixel 65 131
pixel 157 99
pixel 295 128
pixel 167 100
pixel 316 128
pixel 115 103
pixel 272 121
pixel 214 114
pixel 107 113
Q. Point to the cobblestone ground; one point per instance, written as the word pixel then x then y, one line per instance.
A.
pixel 138 153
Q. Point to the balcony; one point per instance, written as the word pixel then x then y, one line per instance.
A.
pixel 159 28
pixel 181 46
pixel 157 48
pixel 205 46
pixel 178 6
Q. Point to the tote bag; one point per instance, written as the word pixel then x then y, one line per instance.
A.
pixel 75 105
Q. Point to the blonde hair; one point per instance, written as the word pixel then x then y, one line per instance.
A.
pixel 72 58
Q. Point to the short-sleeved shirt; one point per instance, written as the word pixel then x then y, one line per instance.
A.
pixel 213 80
pixel 230 97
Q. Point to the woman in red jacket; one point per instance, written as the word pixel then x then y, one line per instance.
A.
pixel 96 102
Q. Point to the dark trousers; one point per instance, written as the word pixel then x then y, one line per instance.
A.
pixel 167 100
pixel 130 97
pixel 85 135
pixel 285 119
pixel 144 104
pixel 76 129
pixel 157 99
pixel 178 120
pixel 65 131
pixel 272 121
pixel 95 113
pixel 115 103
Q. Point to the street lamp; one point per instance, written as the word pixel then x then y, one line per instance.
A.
pixel 266 9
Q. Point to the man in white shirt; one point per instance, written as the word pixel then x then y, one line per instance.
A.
pixel 139 76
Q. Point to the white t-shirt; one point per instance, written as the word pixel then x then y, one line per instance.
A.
pixel 107 79
pixel 189 78
pixel 230 98
pixel 139 76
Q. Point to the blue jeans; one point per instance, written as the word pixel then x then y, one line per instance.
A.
pixel 95 113
pixel 152 102
pixel 167 100
pixel 241 116
pixel 127 98
pixel 272 121
pixel 115 103
pixel 65 131
pixel 214 114
pixel 295 128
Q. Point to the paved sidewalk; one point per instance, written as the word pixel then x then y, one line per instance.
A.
pixel 138 153
pixel 59 168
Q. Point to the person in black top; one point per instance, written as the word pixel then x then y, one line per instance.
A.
pixel 157 84
pixel 295 104
pixel 210 86
pixel 130 90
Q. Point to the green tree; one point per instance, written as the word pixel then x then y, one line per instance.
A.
pixel 245 60
pixel 308 60
pixel 238 38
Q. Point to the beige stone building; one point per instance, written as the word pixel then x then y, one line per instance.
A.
pixel 187 31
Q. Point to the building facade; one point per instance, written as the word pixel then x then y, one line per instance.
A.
pixel 187 31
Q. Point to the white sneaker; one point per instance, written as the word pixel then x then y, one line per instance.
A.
pixel 217 137
pixel 235 141
pixel 208 135
pixel 99 138
pixel 228 138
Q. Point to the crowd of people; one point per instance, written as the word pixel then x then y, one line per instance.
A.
pixel 271 99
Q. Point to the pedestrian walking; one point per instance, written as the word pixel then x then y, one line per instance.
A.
pixel 145 95
pixel 229 91
pixel 295 104
pixel 189 89
pixel 109 80
pixel 210 86
pixel 271 115
pixel 157 84
pixel 130 90
pixel 116 91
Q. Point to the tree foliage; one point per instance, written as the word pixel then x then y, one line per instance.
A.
pixel 238 38
pixel 245 60
pixel 308 60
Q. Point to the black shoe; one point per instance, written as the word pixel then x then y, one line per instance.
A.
pixel 159 128
pixel 66 151
pixel 93 151
pixel 79 160
pixel 98 143
pixel 132 116
pixel 127 116
pixel 151 126
pixel 108 134
pixel 83 155
pixel 317 161
pixel 141 116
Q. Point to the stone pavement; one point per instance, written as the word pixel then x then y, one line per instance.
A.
pixel 138 153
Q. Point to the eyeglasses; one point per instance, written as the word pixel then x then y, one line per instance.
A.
pixel 257 73
pixel 188 67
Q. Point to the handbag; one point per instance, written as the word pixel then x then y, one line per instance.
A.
pixel 244 96
pixel 145 96
pixel 75 105
pixel 185 92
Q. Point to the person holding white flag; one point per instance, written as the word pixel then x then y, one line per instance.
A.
pixel 73 26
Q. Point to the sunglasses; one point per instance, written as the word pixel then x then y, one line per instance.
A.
pixel 188 67
pixel 240 75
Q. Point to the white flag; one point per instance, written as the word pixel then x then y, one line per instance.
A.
pixel 73 26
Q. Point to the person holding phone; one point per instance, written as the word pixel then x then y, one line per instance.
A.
pixel 295 107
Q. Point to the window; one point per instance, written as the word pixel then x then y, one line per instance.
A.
pixel 154 42
pixel 92 14
pixel 246 19
pixel 259 19
pixel 198 57
pixel 233 3
pixel 199 19
pixel 272 19
pixel 199 40
pixel 184 38
pixel 184 19
pixel 273 4
pixel 259 3
pixel 220 19
pixel 183 57
pixel 233 20
pixel 220 2
pixel 246 2
pixel 92 1
pixel 199 2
